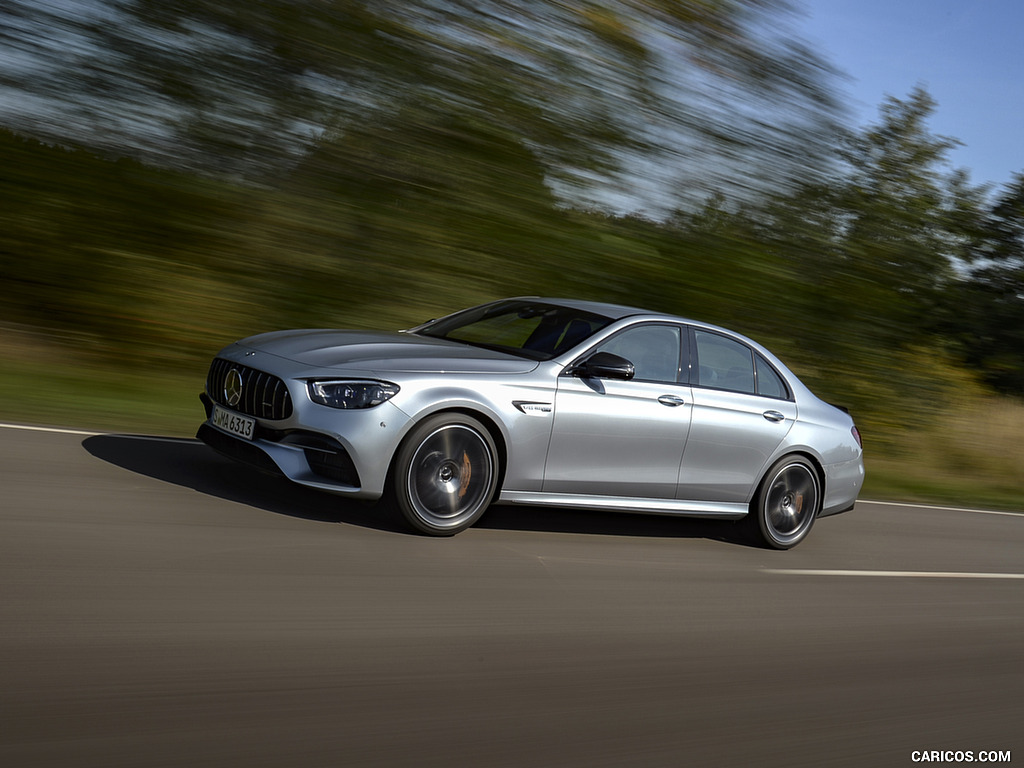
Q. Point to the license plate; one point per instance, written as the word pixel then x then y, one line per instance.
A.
pixel 234 423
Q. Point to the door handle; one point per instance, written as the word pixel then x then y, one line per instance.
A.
pixel 774 416
pixel 671 400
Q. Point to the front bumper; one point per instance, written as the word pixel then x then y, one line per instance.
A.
pixel 321 459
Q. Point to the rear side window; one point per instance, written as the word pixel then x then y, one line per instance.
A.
pixel 724 363
pixel 769 382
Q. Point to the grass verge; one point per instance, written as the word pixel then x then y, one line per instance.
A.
pixel 972 456
pixel 95 397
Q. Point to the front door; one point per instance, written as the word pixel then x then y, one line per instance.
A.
pixel 623 438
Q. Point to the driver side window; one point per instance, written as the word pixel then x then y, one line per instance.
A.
pixel 654 351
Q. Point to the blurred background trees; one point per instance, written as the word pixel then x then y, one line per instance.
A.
pixel 176 175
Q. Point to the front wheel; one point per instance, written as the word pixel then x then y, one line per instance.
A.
pixel 787 503
pixel 444 474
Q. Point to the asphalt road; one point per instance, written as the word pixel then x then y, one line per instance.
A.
pixel 161 606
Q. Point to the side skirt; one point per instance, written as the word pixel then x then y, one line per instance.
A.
pixel 716 509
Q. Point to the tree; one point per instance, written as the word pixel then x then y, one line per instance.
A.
pixel 986 312
pixel 868 260
pixel 878 245
pixel 895 214
pixel 687 90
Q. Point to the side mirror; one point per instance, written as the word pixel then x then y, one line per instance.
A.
pixel 605 365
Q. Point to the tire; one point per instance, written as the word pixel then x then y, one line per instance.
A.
pixel 444 474
pixel 787 503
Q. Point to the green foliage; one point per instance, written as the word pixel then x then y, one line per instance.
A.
pixel 989 324
pixel 985 310
pixel 121 257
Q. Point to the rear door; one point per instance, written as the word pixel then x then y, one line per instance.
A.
pixel 742 411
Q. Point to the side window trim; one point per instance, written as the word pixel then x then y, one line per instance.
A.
pixel 692 362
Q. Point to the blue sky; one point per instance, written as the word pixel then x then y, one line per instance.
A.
pixel 968 54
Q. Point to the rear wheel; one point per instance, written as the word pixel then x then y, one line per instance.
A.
pixel 445 474
pixel 787 503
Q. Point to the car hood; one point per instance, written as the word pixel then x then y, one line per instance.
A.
pixel 384 352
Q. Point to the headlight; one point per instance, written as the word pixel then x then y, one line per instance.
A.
pixel 351 394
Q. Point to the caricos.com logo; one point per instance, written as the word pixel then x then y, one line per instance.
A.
pixel 960 756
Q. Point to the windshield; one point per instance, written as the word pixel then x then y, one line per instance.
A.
pixel 531 329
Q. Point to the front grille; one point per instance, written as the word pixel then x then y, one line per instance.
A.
pixel 263 395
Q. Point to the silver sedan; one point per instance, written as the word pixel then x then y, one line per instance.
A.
pixel 543 402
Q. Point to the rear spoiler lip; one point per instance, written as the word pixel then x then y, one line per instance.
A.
pixel 842 408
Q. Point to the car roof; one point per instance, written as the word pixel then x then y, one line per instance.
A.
pixel 613 311
pixel 620 311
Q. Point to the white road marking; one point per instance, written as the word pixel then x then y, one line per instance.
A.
pixel 943 509
pixel 27 428
pixel 895 574
pixel 62 431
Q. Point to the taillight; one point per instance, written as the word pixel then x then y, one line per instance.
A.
pixel 856 436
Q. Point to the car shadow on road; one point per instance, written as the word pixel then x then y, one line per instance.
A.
pixel 597 522
pixel 191 464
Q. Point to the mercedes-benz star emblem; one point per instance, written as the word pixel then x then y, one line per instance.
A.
pixel 233 387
